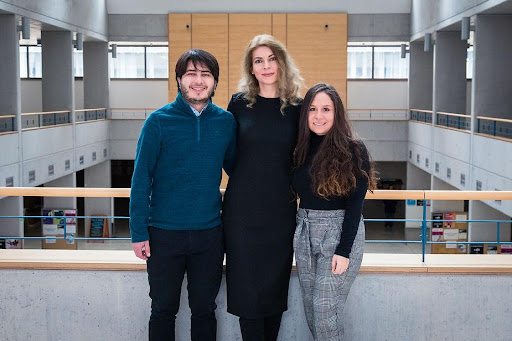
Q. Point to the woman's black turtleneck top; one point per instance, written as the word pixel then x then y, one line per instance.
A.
pixel 351 203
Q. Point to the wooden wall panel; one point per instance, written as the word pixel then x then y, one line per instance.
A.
pixel 180 41
pixel 242 28
pixel 210 33
pixel 320 52
pixel 279 27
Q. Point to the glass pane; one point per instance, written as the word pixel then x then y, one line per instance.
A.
pixel 34 62
pixel 23 62
pixel 78 63
pixel 388 64
pixel 359 62
pixel 469 63
pixel 157 62
pixel 129 62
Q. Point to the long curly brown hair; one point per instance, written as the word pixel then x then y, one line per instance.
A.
pixel 341 157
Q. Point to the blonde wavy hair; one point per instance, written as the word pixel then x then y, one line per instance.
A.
pixel 289 79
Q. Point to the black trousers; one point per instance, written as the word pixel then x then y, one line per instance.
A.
pixel 262 329
pixel 198 253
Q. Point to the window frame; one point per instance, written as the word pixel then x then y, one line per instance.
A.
pixel 373 46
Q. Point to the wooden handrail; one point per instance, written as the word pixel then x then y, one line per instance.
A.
pixel 370 109
pixel 421 110
pixel 376 195
pixel 7 116
pixel 46 113
pixel 494 119
pixel 93 109
pixel 153 109
pixel 452 114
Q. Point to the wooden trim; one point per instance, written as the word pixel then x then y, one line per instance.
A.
pixel 93 109
pixel 46 127
pixel 454 129
pixel 153 109
pixel 109 260
pixel 376 195
pixel 7 116
pixel 46 113
pixel 375 109
pixel 452 114
pixel 96 120
pixel 8 133
pixel 468 195
pixel 426 123
pixel 494 137
pixel 377 79
pixel 65 192
pixel 395 194
pixel 494 119
pixel 378 120
pixel 421 110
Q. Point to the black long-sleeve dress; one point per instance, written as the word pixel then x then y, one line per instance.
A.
pixel 259 208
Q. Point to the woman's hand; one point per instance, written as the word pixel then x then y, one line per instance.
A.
pixel 339 264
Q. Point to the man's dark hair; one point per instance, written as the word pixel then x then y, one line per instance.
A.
pixel 197 56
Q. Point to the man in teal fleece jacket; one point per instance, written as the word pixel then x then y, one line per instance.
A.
pixel 175 200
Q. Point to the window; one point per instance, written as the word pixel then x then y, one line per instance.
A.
pixel 376 62
pixel 129 62
pixel 23 62
pixel 388 64
pixel 35 64
pixel 78 63
pixel 31 65
pixel 359 62
pixel 140 61
pixel 157 65
pixel 469 63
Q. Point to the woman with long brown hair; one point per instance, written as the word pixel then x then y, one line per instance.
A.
pixel 332 174
pixel 259 206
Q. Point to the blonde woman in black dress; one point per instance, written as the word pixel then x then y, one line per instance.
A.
pixel 259 206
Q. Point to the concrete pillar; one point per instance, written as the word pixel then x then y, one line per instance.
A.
pixel 420 77
pixel 492 78
pixel 98 176
pixel 61 203
pixel 58 82
pixel 96 75
pixel 487 232
pixel 450 73
pixel 417 179
pixel 10 104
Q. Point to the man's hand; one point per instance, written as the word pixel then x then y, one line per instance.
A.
pixel 142 250
pixel 339 264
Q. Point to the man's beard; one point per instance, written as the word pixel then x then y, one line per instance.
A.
pixel 185 93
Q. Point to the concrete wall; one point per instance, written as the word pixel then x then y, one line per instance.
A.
pixel 114 305
pixel 361 27
pixel 263 6
pixel 487 232
pixel 32 99
pixel 87 17
pixel 433 15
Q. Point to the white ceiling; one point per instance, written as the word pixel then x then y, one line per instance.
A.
pixel 262 6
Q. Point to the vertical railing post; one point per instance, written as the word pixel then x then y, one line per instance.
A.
pixel 65 227
pixel 494 128
pixel 458 122
pixel 424 230
pixel 39 120
pixel 477 125
pixel 498 232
